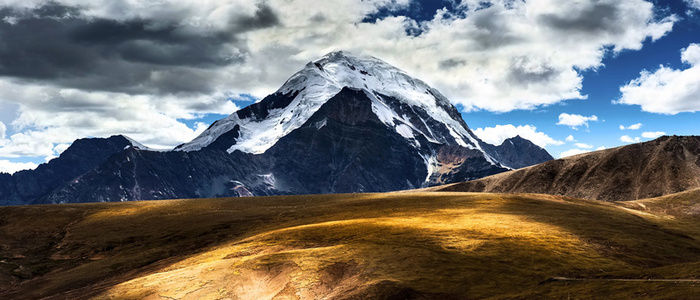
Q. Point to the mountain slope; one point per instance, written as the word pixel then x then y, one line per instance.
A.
pixel 357 151
pixel 83 155
pixel 354 246
pixel 663 166
pixel 517 152
pixel 262 125
pixel 341 124
pixel 404 105
pixel 683 205
pixel 136 174
pixel 343 147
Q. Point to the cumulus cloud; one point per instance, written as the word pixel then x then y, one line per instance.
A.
pixel 7 166
pixel 693 4
pixel 573 152
pixel 496 135
pixel 50 116
pixel 574 121
pixel 667 90
pixel 653 135
pixel 629 139
pixel 138 67
pixel 71 47
pixel 570 138
pixel 646 135
pixel 631 127
pixel 3 131
pixel 581 148
pixel 507 55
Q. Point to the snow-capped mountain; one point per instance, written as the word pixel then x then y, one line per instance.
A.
pixel 404 104
pixel 342 124
pixel 322 79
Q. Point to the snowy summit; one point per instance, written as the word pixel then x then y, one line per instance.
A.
pixel 319 81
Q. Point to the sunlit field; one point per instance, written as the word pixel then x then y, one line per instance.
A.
pixel 353 246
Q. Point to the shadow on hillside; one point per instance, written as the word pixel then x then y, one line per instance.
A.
pixel 113 243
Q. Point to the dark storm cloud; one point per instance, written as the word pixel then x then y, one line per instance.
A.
pixel 56 43
pixel 264 17
pixel 600 17
pixel 521 75
pixel 493 31
pixel 451 63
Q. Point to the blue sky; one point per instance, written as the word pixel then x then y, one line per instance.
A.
pixel 162 72
pixel 603 87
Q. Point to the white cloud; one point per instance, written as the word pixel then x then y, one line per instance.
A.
pixel 199 127
pixel 631 127
pixel 57 150
pixel 7 166
pixel 574 121
pixel 667 90
pixel 3 130
pixel 693 4
pixel 629 139
pixel 495 55
pixel 570 138
pixel 50 116
pixel 582 148
pixel 573 152
pixel 496 135
pixel 653 135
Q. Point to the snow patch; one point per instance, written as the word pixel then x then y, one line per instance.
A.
pixel 320 124
pixel 322 79
pixel 405 131
pixel 432 165
pixel 140 146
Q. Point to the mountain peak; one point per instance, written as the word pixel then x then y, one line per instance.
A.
pixel 339 55
pixel 258 127
pixel 327 75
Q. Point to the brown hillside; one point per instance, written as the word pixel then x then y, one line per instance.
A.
pixel 667 165
pixel 684 205
pixel 360 246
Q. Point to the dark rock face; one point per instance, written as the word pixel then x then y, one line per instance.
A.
pixel 147 175
pixel 517 153
pixel 462 164
pixel 83 155
pixel 260 110
pixel 345 148
pixel 256 111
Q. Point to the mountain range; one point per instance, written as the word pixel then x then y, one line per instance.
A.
pixel 342 124
pixel 664 166
pixel 346 124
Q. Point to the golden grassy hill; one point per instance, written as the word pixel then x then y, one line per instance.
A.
pixel 683 205
pixel 360 246
pixel 667 165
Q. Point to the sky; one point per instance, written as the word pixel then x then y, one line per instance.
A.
pixel 571 76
